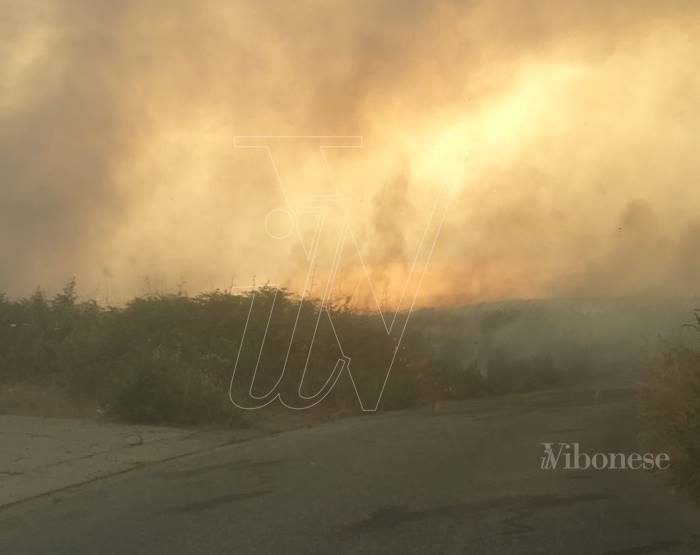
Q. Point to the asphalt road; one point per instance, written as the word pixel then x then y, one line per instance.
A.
pixel 464 479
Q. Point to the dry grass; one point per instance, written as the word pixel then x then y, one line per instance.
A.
pixel 23 399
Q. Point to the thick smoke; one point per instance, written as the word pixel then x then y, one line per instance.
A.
pixel 123 163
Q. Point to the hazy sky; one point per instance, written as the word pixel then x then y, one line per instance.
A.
pixel 560 136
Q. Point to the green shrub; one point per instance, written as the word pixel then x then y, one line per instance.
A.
pixel 164 389
pixel 670 410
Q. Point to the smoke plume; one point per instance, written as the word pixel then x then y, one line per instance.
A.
pixel 133 150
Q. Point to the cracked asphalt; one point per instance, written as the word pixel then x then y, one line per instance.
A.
pixel 465 479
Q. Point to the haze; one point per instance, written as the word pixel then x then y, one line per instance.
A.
pixel 564 132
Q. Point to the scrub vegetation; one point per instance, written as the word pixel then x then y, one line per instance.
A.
pixel 670 408
pixel 169 358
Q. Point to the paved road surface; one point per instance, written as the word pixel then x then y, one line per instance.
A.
pixel 462 480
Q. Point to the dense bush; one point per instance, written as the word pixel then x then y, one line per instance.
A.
pixel 150 361
pixel 170 358
pixel 670 408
